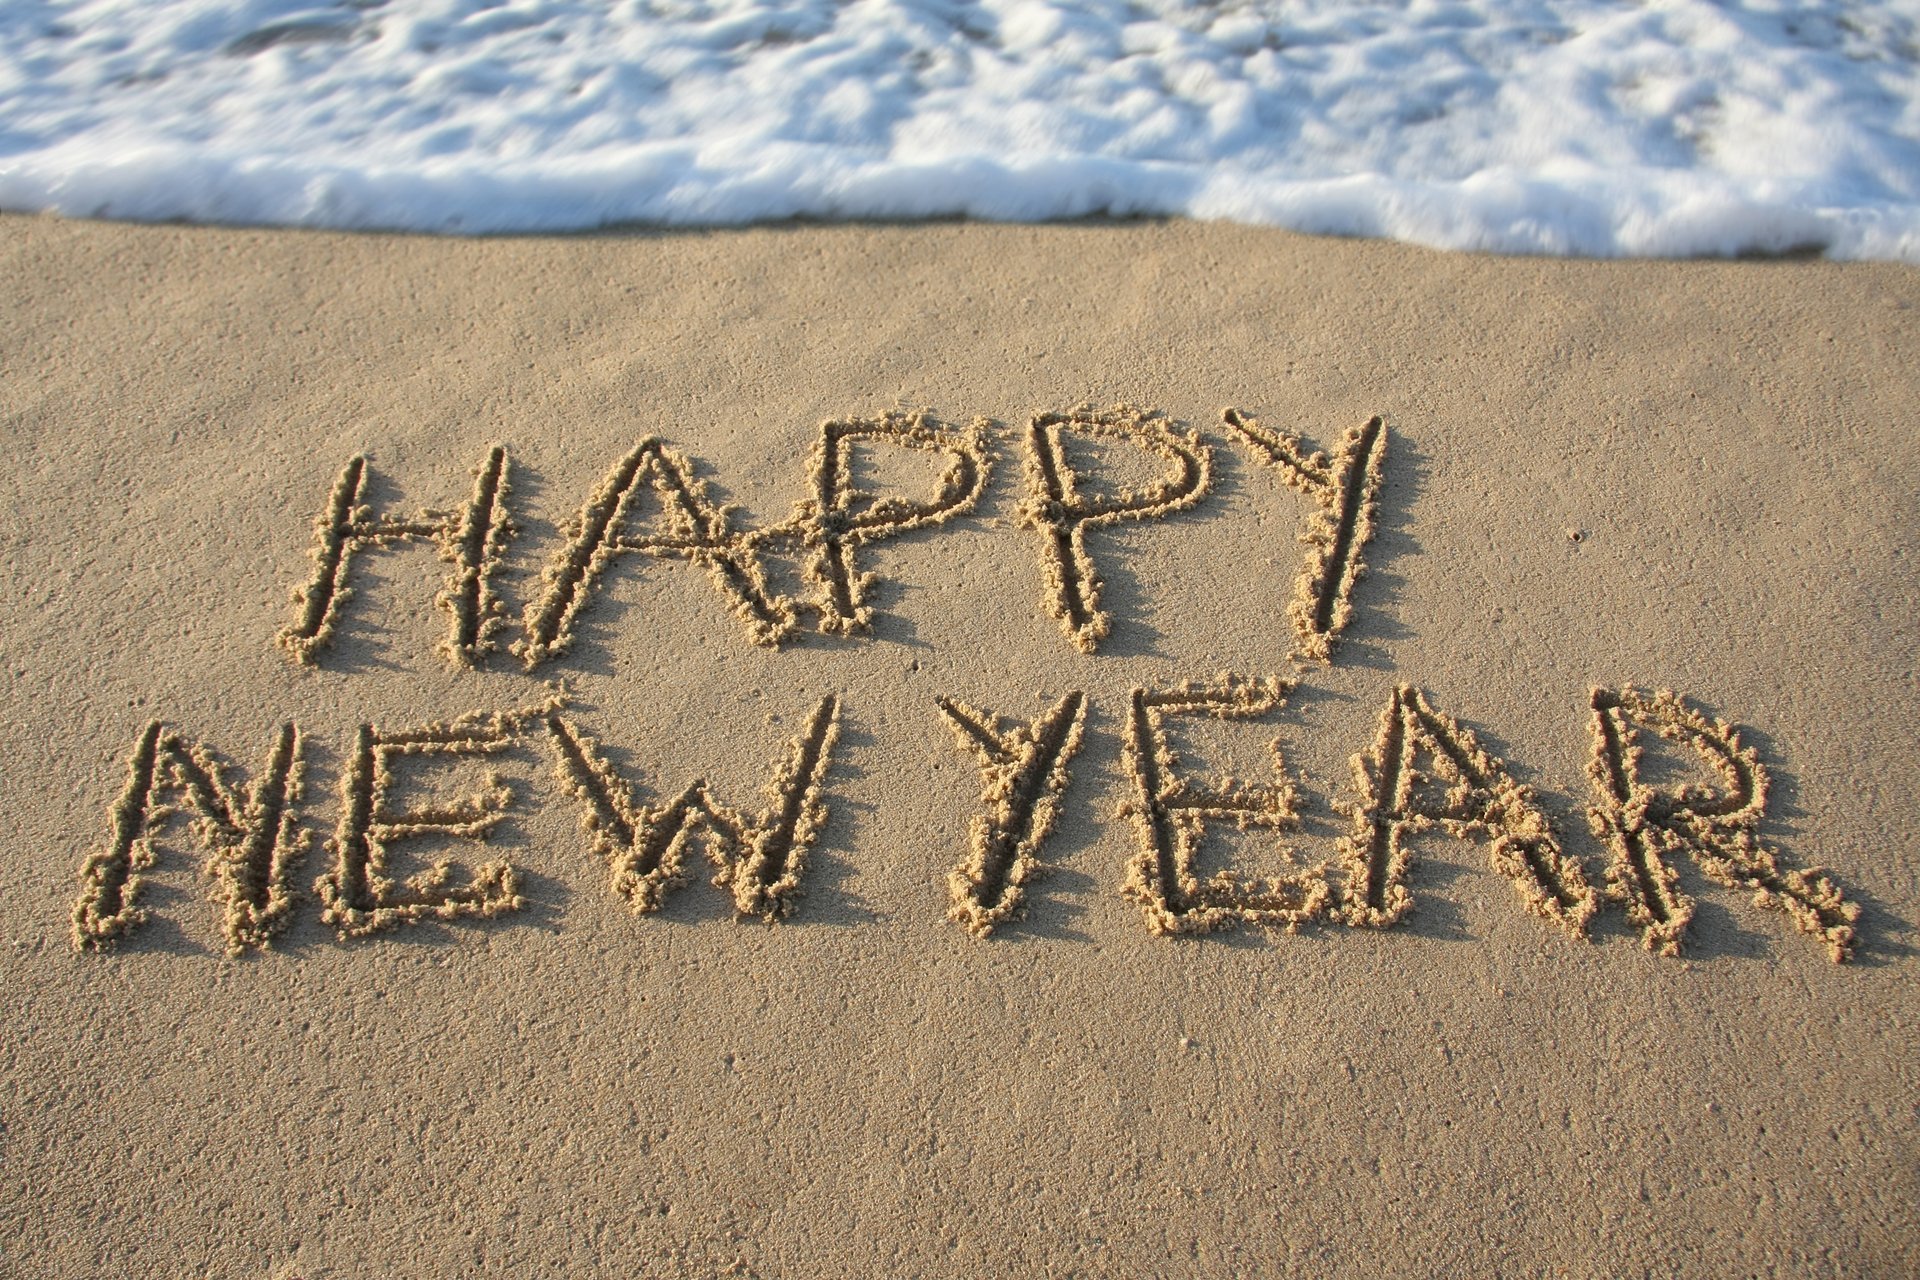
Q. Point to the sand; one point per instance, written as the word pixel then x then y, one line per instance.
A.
pixel 1109 882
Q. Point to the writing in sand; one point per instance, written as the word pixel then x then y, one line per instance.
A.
pixel 1423 774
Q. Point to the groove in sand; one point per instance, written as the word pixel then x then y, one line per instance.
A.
pixel 1170 813
pixel 838 517
pixel 1061 513
pixel 252 836
pixel 1645 827
pixel 358 897
pixel 760 860
pixel 1024 774
pixel 696 529
pixel 1482 801
pixel 473 541
pixel 1346 492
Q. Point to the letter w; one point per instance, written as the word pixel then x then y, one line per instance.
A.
pixel 760 859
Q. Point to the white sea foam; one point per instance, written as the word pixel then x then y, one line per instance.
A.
pixel 1672 127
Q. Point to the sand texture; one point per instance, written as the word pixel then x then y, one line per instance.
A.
pixel 1124 750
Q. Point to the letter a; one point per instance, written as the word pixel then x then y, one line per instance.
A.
pixel 697 530
pixel 1644 826
pixel 1481 800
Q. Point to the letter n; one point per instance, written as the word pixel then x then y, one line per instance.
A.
pixel 252 836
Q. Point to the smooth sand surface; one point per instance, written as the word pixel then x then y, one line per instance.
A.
pixel 866 1087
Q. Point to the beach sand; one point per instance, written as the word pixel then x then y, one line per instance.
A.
pixel 1621 475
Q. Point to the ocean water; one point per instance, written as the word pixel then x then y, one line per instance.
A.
pixel 1666 128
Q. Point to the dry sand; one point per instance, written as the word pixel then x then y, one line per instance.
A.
pixel 937 1062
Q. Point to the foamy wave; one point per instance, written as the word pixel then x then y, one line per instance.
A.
pixel 1677 128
